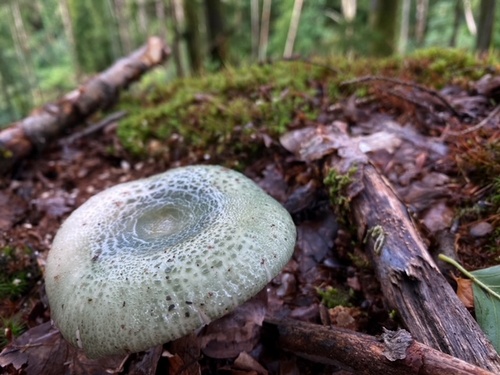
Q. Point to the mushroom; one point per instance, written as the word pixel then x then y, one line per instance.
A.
pixel 149 261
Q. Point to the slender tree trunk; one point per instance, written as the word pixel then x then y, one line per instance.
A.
pixel 177 16
pixel 405 26
pixel 292 30
pixel 23 51
pixel 123 22
pixel 457 20
pixel 264 29
pixel 192 35
pixel 421 15
pixel 254 16
pixel 142 16
pixel 469 17
pixel 68 30
pixel 216 35
pixel 486 22
pixel 384 22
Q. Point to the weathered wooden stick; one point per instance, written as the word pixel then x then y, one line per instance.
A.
pixel 364 353
pixel 411 282
pixel 46 123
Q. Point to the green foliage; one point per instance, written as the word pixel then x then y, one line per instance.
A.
pixel 91 21
pixel 12 326
pixel 486 287
pixel 14 275
pixel 332 297
pixel 206 110
pixel 337 185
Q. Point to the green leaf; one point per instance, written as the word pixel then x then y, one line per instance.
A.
pixel 486 287
pixel 487 302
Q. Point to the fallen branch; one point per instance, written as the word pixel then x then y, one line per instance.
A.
pixel 411 282
pixel 21 138
pixel 414 85
pixel 365 354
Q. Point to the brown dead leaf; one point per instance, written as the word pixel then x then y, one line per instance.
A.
pixel 42 350
pixel 345 317
pixel 246 362
pixel 464 291
pixel 237 331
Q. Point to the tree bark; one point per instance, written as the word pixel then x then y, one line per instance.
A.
pixel 411 282
pixel 365 354
pixel 192 35
pixel 486 22
pixel 46 123
pixel 217 37
pixel 292 30
pixel 264 29
pixel 384 21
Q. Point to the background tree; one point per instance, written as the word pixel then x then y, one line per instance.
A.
pixel 486 22
pixel 217 38
pixel 384 22
pixel 93 28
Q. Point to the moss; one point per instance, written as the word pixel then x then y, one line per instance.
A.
pixel 332 297
pixel 16 273
pixel 337 185
pixel 10 328
pixel 206 110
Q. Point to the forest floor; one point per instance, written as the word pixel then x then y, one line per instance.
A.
pixel 436 140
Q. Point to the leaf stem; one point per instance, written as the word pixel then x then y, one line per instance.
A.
pixel 458 266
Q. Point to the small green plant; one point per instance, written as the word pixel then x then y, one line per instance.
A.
pixel 10 328
pixel 332 297
pixel 337 185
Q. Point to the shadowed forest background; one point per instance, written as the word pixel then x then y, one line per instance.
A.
pixel 47 47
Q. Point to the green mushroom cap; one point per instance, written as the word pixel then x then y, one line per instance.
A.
pixel 149 261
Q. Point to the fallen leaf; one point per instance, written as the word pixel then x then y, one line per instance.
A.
pixel 487 302
pixel 464 291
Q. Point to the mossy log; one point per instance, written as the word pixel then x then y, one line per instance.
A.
pixel 21 138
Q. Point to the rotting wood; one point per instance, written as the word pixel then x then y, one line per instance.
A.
pixel 410 281
pixel 365 354
pixel 21 138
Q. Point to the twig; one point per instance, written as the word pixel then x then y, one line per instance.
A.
pixel 94 128
pixel 483 122
pixel 365 354
pixel 414 85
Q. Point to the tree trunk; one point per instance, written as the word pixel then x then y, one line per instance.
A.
pixel 292 30
pixel 384 22
pixel 254 17
pixel 217 41
pixel 123 21
pixel 457 18
pixel 405 26
pixel 174 9
pixel 421 15
pixel 46 123
pixel 68 30
pixel 486 22
pixel 192 35
pixel 264 29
